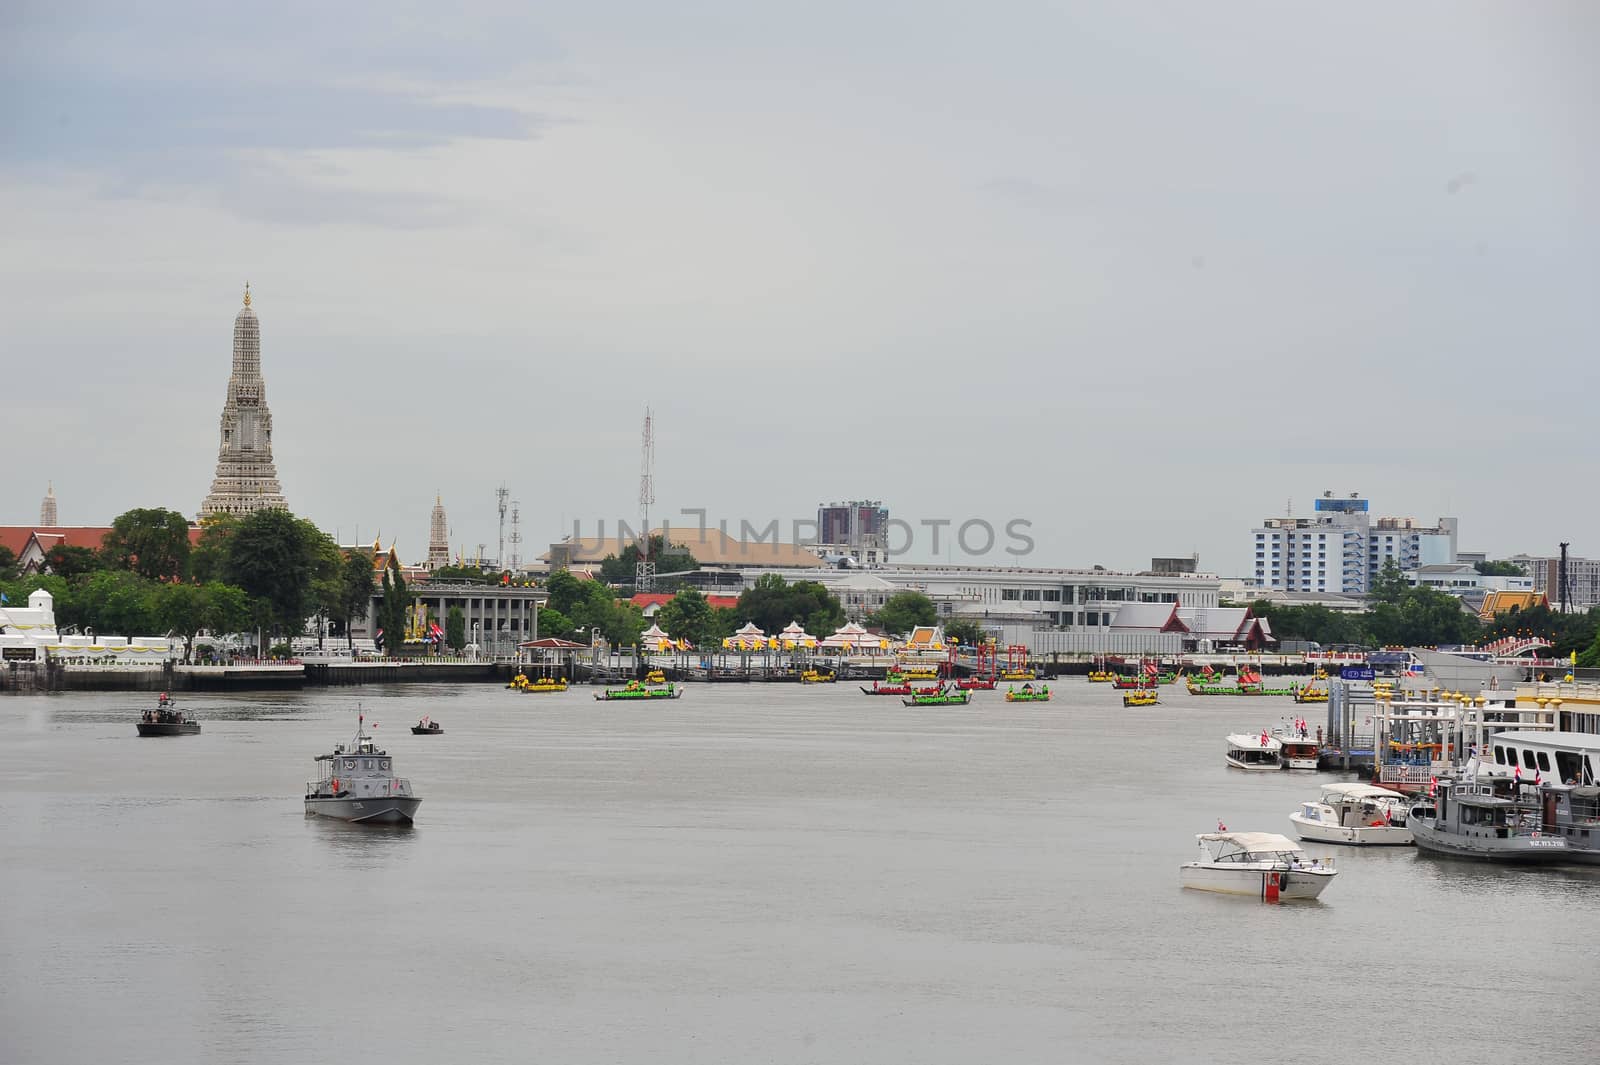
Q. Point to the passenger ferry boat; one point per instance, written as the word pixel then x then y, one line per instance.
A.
pixel 1261 864
pixel 1255 751
pixel 358 785
pixel 1355 814
pixel 1297 752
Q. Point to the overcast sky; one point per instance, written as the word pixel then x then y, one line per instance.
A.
pixel 1136 273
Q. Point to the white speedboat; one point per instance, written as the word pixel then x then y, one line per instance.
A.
pixel 1357 814
pixel 1256 750
pixel 1262 864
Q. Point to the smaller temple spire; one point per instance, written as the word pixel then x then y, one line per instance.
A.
pixel 47 509
pixel 247 293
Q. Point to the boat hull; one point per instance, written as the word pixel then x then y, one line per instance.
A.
pixel 638 696
pixel 380 810
pixel 1252 881
pixel 1352 836
pixel 1514 850
pixel 169 728
pixel 415 731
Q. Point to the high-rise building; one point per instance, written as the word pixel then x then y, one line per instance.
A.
pixel 858 528
pixel 1582 591
pixel 1340 548
pixel 438 536
pixel 47 509
pixel 246 479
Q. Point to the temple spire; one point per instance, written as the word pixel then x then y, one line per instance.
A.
pixel 247 293
pixel 246 479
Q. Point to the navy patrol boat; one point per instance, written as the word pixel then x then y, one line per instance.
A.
pixel 358 784
pixel 167 720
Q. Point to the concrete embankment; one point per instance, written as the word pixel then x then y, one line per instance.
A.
pixel 342 673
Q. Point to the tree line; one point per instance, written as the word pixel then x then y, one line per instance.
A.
pixel 267 571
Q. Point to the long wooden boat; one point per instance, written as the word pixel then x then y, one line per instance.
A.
pixel 975 684
pixel 1142 697
pixel 949 698
pixel 635 690
pixel 1027 695
pixel 887 689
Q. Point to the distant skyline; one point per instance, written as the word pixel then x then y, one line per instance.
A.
pixel 1137 274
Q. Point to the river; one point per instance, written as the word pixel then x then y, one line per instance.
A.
pixel 752 873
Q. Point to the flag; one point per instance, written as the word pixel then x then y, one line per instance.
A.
pixel 1220 826
pixel 3 598
pixel 1433 785
pixel 1152 669
pixel 377 638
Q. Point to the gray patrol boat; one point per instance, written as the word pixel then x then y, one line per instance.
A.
pixel 1479 820
pixel 358 784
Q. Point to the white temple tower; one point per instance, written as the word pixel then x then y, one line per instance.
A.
pixel 47 509
pixel 438 536
pixel 246 479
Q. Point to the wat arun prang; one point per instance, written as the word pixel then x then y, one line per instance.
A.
pixel 246 479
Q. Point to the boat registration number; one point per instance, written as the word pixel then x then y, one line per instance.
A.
pixel 1548 842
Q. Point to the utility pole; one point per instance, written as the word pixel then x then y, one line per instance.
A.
pixel 644 570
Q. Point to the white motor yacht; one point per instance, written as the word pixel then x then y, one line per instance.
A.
pixel 1357 814
pixel 1263 864
pixel 1256 750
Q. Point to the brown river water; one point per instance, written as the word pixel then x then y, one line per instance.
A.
pixel 752 873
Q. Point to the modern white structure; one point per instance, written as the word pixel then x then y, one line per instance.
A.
pixel 246 479
pixel 1341 549
pixel 28 634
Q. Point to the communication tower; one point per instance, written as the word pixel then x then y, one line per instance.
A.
pixel 501 495
pixel 644 570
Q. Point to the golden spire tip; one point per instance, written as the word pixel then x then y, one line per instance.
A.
pixel 247 293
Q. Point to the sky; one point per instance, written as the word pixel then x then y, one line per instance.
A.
pixel 1137 275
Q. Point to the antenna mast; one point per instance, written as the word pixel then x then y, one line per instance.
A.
pixel 516 537
pixel 500 495
pixel 1561 578
pixel 644 570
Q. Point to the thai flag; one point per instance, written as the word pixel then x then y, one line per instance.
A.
pixel 1152 669
pixel 435 633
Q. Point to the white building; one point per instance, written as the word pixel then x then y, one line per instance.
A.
pixel 1341 549
pixel 1019 599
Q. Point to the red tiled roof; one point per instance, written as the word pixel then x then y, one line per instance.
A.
pixel 93 537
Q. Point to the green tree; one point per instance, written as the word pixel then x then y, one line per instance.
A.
pixel 181 609
pixel 554 623
pixel 227 609
pixel 396 604
pixel 688 616
pixel 151 542
pixel 1492 568
pixel 455 629
pixel 669 558
pixel 773 602
pixel 8 563
pixel 1389 585
pixel 967 633
pixel 724 622
pixel 117 601
pixel 327 578
pixel 71 562
pixel 208 561
pixel 356 585
pixel 271 558
pixel 904 611
pixel 565 591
